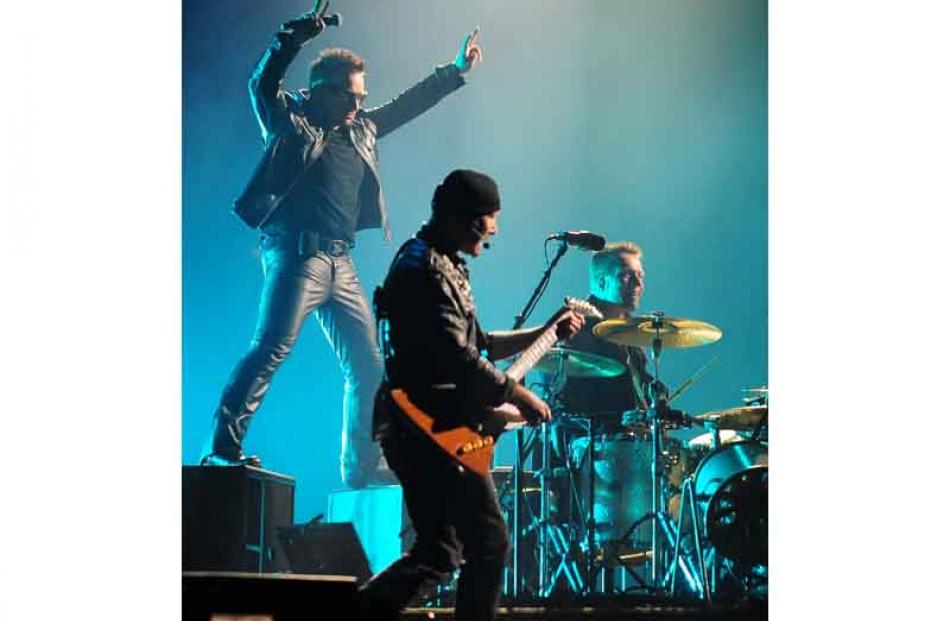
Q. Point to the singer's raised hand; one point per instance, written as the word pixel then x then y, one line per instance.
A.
pixel 308 25
pixel 470 54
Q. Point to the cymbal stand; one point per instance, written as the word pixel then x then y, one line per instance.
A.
pixel 660 523
pixel 658 405
pixel 656 429
pixel 656 402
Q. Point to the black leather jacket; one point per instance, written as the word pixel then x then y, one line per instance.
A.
pixel 431 338
pixel 292 143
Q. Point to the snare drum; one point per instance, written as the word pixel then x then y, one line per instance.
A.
pixel 732 496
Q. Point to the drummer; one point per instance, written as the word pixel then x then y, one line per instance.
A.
pixel 616 283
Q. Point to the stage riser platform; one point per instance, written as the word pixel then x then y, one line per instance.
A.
pixel 231 596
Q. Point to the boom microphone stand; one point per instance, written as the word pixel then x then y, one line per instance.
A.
pixel 517 470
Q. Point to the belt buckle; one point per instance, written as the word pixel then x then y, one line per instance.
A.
pixel 337 248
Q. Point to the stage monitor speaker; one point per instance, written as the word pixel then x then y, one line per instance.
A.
pixel 230 517
pixel 325 548
pixel 221 596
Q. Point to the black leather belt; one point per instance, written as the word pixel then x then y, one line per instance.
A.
pixel 307 243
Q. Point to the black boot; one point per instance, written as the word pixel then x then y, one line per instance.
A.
pixel 226 439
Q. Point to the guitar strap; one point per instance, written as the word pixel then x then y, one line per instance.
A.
pixel 381 312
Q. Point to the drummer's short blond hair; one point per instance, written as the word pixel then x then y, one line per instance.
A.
pixel 608 259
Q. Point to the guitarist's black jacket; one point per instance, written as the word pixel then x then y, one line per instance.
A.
pixel 432 342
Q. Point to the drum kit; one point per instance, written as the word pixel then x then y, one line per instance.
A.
pixel 620 506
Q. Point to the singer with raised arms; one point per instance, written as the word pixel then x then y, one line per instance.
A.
pixel 318 183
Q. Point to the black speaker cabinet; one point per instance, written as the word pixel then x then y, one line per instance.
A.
pixel 230 517
pixel 325 548
pixel 235 596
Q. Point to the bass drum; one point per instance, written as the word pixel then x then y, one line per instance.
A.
pixel 622 485
pixel 686 456
pixel 732 488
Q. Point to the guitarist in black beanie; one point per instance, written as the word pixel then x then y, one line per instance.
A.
pixel 432 345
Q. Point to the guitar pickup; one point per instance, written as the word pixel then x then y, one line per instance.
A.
pixel 471 447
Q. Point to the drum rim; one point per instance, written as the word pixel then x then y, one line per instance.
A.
pixel 724 448
pixel 703 501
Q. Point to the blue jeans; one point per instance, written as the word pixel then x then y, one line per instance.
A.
pixel 295 286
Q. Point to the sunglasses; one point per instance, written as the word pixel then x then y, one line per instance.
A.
pixel 346 95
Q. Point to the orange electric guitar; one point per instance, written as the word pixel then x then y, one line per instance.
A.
pixel 472 443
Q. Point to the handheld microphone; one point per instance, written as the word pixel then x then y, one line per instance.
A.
pixel 328 20
pixel 333 20
pixel 584 240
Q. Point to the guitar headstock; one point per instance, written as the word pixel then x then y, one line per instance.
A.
pixel 583 308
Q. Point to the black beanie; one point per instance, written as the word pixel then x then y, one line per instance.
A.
pixel 466 193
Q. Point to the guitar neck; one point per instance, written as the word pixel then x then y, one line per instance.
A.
pixel 533 353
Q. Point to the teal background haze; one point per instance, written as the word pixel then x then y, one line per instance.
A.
pixel 640 120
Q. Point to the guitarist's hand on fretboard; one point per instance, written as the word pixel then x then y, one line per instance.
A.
pixel 532 408
pixel 568 323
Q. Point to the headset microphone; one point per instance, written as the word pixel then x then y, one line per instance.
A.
pixel 478 229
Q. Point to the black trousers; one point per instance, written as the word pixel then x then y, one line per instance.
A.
pixel 294 287
pixel 458 522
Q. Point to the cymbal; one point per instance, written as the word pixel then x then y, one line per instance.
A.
pixel 705 441
pixel 675 332
pixel 747 417
pixel 756 396
pixel 578 364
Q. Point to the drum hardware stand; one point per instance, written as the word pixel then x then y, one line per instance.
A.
pixel 516 517
pixel 760 426
pixel 672 538
pixel 658 406
pixel 546 583
pixel 523 448
pixel 551 536
pixel 656 403
pixel 520 319
pixel 544 508
pixel 566 564
pixel 762 399
pixel 653 415
pixel 590 525
pixel 515 486
pixel 688 499
pixel 591 522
